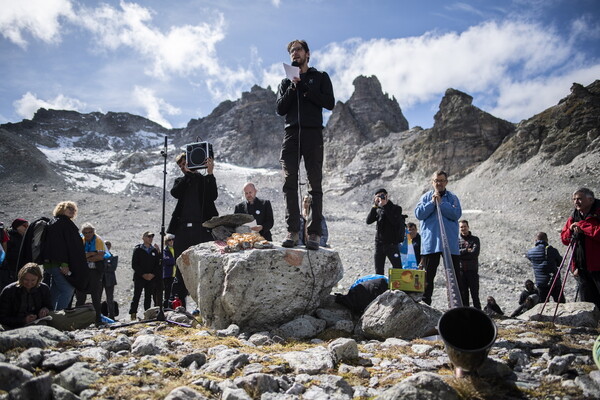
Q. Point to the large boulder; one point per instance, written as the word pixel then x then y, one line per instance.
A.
pixel 572 314
pixel 396 314
pixel 258 289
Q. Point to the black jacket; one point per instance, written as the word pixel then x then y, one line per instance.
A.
pixel 144 262
pixel 469 260
pixel 545 260
pixel 12 251
pixel 207 194
pixel 16 303
pixel 389 223
pixel 314 92
pixel 63 244
pixel 262 212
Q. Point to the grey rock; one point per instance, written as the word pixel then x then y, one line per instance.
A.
pixel 333 316
pixel 328 387
pixel 39 388
pixel 344 325
pixel 60 393
pixel 589 384
pixel 76 378
pixel 232 330
pixel 149 345
pixel 572 314
pixel 188 359
pixel 60 361
pixel 31 336
pixel 235 394
pixel 303 327
pixel 394 314
pixel 231 220
pixel 12 376
pixel 284 283
pixel 560 364
pixel 185 393
pixel 257 384
pixel 313 361
pixel 97 353
pixel 343 350
pixel 226 365
pixel 260 338
pixel 30 358
pixel 420 386
pixel 122 342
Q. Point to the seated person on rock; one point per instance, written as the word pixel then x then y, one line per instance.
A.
pixel 25 300
pixel 528 298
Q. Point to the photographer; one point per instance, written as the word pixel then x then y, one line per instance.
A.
pixel 390 230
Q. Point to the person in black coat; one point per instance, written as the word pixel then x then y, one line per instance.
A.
pixel 145 262
pixel 389 231
pixel 545 260
pixel 196 194
pixel 260 209
pixel 25 300
pixel 64 256
pixel 9 269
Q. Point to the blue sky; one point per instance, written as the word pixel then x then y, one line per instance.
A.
pixel 175 60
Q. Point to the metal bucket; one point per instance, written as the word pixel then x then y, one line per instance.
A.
pixel 468 334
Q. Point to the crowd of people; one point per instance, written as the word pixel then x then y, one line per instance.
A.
pixel 77 263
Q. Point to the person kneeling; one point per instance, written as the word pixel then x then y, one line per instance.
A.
pixel 26 300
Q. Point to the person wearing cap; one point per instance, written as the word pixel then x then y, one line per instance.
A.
pixel 9 269
pixel 145 262
pixel 431 237
pixel 389 231
pixel 169 267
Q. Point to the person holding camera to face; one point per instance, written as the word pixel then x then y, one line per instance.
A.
pixel 389 233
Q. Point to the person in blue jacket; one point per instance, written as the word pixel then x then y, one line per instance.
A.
pixel 431 238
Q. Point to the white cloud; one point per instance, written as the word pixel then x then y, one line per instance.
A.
pixel 519 100
pixel 182 50
pixel 29 103
pixel 154 106
pixel 485 60
pixel 39 18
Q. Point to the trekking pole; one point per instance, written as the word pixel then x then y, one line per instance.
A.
pixel 562 288
pixel 454 296
pixel 569 254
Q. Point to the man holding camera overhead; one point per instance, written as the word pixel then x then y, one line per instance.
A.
pixel 390 229
pixel 196 194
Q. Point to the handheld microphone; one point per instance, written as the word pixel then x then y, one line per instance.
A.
pixel 295 64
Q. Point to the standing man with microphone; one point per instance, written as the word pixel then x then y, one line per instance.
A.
pixel 301 101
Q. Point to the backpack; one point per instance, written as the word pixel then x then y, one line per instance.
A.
pixel 75 318
pixel 104 308
pixel 363 292
pixel 33 242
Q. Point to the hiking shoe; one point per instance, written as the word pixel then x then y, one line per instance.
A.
pixel 291 240
pixel 133 317
pixel 313 241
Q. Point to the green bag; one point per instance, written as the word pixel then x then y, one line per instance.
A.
pixel 75 318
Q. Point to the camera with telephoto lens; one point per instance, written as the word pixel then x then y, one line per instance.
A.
pixel 197 153
pixel 382 196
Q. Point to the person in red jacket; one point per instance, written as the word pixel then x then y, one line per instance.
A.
pixel 583 227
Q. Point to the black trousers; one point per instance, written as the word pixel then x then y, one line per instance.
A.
pixel 470 283
pixel 555 294
pixel 168 283
pixel 430 263
pixel 306 144
pixel 149 288
pixel 186 237
pixel 94 289
pixel 389 251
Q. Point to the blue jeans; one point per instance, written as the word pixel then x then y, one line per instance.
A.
pixel 61 291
